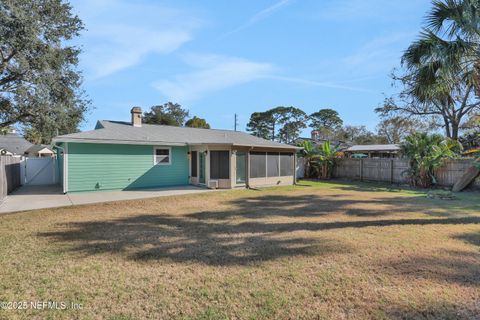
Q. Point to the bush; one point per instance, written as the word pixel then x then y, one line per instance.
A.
pixel 319 161
pixel 427 153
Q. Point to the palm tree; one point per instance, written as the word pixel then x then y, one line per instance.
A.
pixel 427 153
pixel 324 162
pixel 444 64
pixel 309 152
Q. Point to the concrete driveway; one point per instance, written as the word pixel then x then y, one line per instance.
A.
pixel 41 197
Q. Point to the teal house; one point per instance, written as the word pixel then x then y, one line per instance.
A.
pixel 132 155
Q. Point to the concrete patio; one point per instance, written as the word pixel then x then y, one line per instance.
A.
pixel 51 196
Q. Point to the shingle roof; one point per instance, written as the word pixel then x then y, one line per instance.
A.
pixel 374 147
pixel 14 143
pixel 123 132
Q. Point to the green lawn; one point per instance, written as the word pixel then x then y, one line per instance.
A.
pixel 313 251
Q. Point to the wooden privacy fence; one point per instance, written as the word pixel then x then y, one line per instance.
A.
pixel 453 170
pixel 9 175
pixel 396 170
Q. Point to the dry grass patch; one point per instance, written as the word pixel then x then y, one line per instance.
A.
pixel 319 250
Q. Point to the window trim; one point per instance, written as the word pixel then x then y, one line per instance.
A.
pixel 155 156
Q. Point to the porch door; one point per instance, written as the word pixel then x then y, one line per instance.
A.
pixel 201 165
pixel 241 165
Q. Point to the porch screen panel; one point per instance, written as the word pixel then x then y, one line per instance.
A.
pixel 219 164
pixel 273 169
pixel 286 164
pixel 258 164
pixel 194 163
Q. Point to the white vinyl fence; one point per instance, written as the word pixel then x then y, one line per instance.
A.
pixel 39 171
pixel 300 168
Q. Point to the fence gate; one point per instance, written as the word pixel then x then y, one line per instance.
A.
pixel 39 171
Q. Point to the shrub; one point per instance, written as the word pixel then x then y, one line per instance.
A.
pixel 324 162
pixel 427 153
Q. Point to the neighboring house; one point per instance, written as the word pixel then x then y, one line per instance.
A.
pixel 373 151
pixel 39 151
pixel 122 155
pixel 318 142
pixel 13 145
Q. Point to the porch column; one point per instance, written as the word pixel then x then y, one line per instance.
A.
pixel 207 168
pixel 233 168
pixel 294 168
pixel 247 168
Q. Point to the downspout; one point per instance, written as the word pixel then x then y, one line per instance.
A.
pixel 65 164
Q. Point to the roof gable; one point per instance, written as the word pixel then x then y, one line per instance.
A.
pixel 39 149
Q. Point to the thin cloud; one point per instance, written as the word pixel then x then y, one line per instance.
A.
pixel 120 34
pixel 341 10
pixel 212 73
pixel 265 13
pixel 260 15
pixel 379 55
pixel 320 84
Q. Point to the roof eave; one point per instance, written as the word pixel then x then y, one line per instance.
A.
pixel 110 141
pixel 373 150
pixel 286 146
pixel 143 142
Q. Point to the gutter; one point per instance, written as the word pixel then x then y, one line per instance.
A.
pixel 164 143
pixel 131 142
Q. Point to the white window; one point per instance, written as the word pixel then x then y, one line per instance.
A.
pixel 162 156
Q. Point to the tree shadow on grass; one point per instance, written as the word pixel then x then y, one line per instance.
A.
pixel 157 237
pixel 437 310
pixel 371 186
pixel 313 205
pixel 471 238
pixel 453 266
pixel 251 230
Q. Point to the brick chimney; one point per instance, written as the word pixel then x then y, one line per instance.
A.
pixel 136 116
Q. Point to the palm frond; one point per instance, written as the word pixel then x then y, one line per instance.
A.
pixel 454 18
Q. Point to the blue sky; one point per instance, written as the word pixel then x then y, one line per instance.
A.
pixel 218 58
